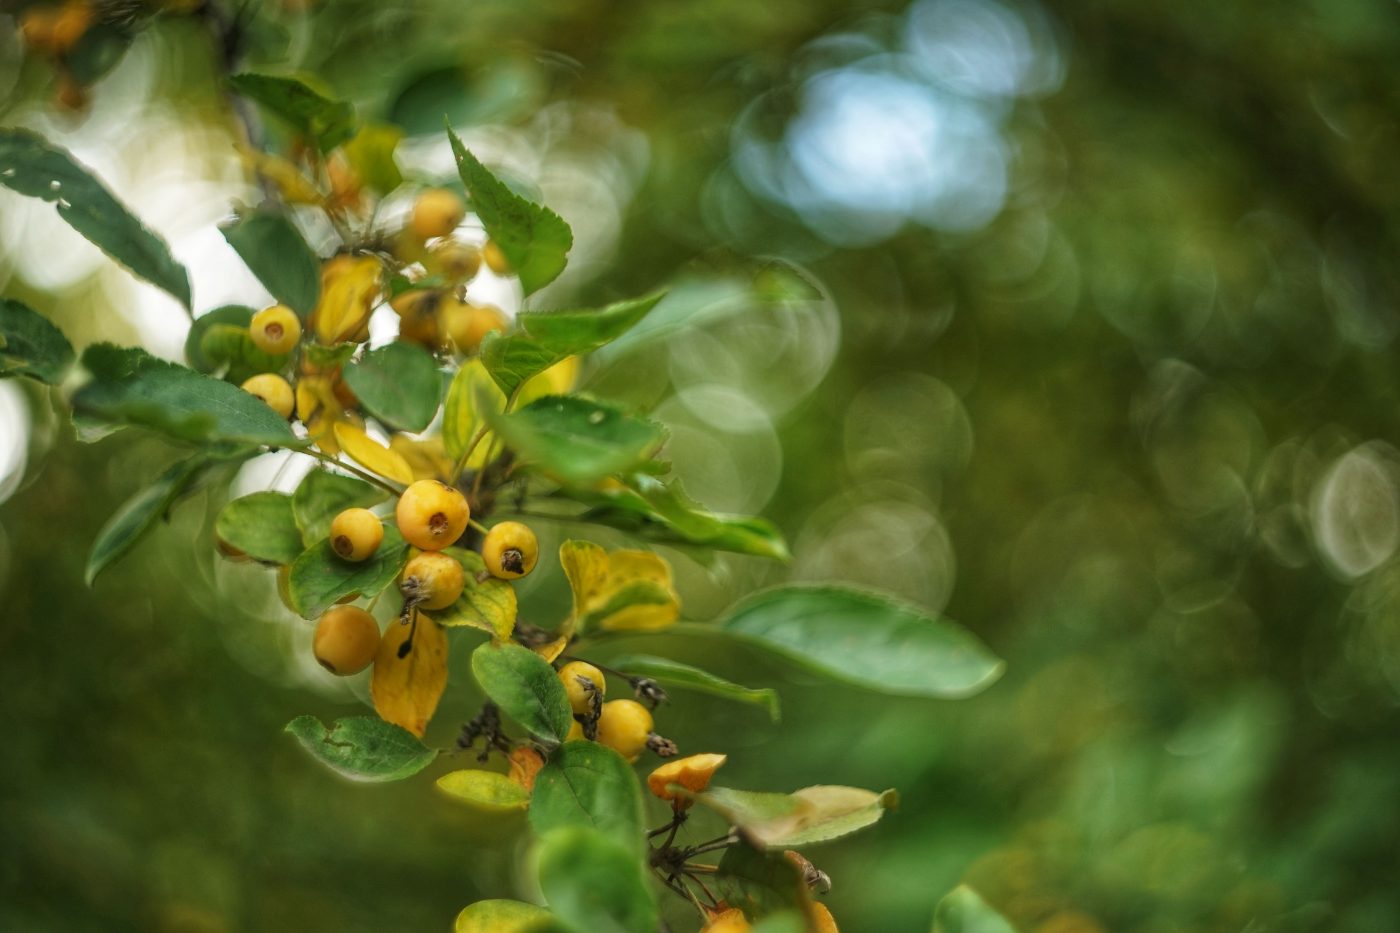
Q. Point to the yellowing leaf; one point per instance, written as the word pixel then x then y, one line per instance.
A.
pixel 426 458
pixel 623 591
pixel 484 790
pixel 406 688
pixel 461 419
pixel 488 605
pixel 499 916
pixel 558 379
pixel 550 651
pixel 372 455
pixel 349 290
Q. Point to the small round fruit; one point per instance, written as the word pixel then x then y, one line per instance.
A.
pixel 420 316
pixel 273 390
pixel 624 727
pixel 356 533
pixel 495 259
pixel 346 640
pixel 436 213
pixel 510 550
pixel 457 262
pixel 433 579
pixel 575 732
pixel 821 916
pixel 275 330
pixel 468 324
pixel 580 697
pixel 728 921
pixel 431 514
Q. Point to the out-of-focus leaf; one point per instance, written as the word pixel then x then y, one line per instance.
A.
pixel 262 526
pixel 484 790
pixel 363 748
pixel 97 52
pixel 578 440
pixel 328 122
pixel 804 817
pixel 233 355
pixel 760 882
pixel 320 577
pixel 499 916
pixel 371 454
pixel 593 882
pixel 962 910
pixel 276 253
pixel 487 604
pixel 323 494
pixel 463 415
pixel 30 345
pixel 410 673
pixel 371 156
pixel 525 687
pixel 399 384
pixel 138 514
pixel 350 288
pixel 32 166
pixel 675 674
pixel 588 784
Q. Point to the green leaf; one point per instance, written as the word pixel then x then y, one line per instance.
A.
pixel 760 882
pixel 588 784
pixel 234 355
pixel 578 440
pixel 963 911
pixel 97 52
pixel 498 916
pixel 276 253
pixel 525 687
pixel 594 883
pixel 675 674
pixel 487 604
pixel 329 122
pixel 364 748
pixel 32 166
pixel 30 345
pixel 371 156
pixel 866 639
pixel 534 239
pixel 320 577
pixel 802 818
pixel 462 416
pixel 399 384
pixel 337 354
pixel 226 315
pixel 139 514
pixel 788 921
pixel 323 494
pixel 485 790
pixel 261 525
pixel 131 387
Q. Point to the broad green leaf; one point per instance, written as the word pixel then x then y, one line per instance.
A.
pixel 276 253
pixel 802 818
pixel 867 639
pixel 323 494
pixel 328 122
pixel 410 673
pixel 462 416
pixel 320 577
pixel 525 687
pixel 363 748
pixel 32 166
pixel 399 384
pixel 578 440
pixel 129 386
pixel 513 359
pixel 498 916
pixel 534 239
pixel 371 156
pixel 233 355
pixel 760 882
pixel 261 525
pixel 30 345
pixel 140 513
pixel 963 910
pixel 595 883
pixel 588 784
pixel 675 674
pixel 487 604
pixel 485 790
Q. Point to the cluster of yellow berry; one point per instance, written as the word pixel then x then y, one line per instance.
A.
pixel 625 726
pixel 53 30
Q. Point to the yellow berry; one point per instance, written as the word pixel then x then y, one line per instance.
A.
pixel 693 773
pixel 822 918
pixel 420 316
pixel 495 259
pixel 580 697
pixel 436 213
pixel 356 533
pixel 468 324
pixel 728 921
pixel 575 732
pixel 272 389
pixel 346 640
pixel 432 579
pixel 625 726
pixel 431 514
pixel 275 330
pixel 454 261
pixel 510 550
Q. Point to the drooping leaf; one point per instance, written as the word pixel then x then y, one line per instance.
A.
pixel 622 591
pixel 371 156
pixel 867 639
pixel 487 604
pixel 275 251
pixel 320 577
pixel 262 526
pixel 963 910
pixel 534 239
pixel 410 673
pixel 30 345
pixel 588 784
pixel 578 440
pixel 371 454
pixel 499 916
pixel 363 748
pixel 675 674
pixel 525 687
pixel 130 387
pixel 32 166
pixel 399 384
pixel 328 122
pixel 593 882
pixel 140 513
pixel 484 790
pixel 322 495
pixel 804 817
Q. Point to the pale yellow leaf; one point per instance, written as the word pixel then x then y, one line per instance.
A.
pixel 372 455
pixel 406 689
pixel 484 790
pixel 349 291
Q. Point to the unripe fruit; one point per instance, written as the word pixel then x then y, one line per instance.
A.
pixel 510 550
pixel 431 514
pixel 454 261
pixel 468 324
pixel 433 580
pixel 275 330
pixel 495 259
pixel 580 697
pixel 356 533
pixel 273 390
pixel 346 640
pixel 436 213
pixel 624 726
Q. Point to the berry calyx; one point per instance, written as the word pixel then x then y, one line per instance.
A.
pixel 356 534
pixel 275 330
pixel 431 514
pixel 432 580
pixel 510 550
pixel 495 259
pixel 577 676
pixel 346 640
pixel 272 389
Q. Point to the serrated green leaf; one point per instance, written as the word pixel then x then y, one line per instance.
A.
pixel 328 122
pixel 139 514
pixel 371 156
pixel 363 748
pixel 963 910
pixel 525 687
pixel 675 674
pixel 594 883
pixel 484 790
pixel 399 384
pixel 534 239
pixel 802 818
pixel 30 345
pixel 275 252
pixel 578 440
pixel 261 525
pixel 499 916
pixel 588 784
pixel 322 495
pixel 319 577
pixel 32 166
pixel 488 604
